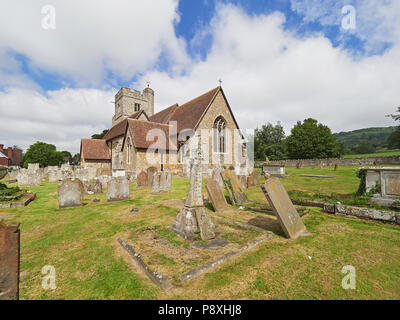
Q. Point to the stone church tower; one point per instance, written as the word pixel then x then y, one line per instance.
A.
pixel 128 101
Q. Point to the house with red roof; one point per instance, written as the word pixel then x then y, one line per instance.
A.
pixel 140 138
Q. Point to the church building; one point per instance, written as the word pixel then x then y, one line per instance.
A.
pixel 140 139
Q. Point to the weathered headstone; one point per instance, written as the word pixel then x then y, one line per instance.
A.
pixel 70 193
pixel 150 175
pixel 161 182
pixel 243 181
pixel 254 179
pixel 232 185
pixel 82 174
pixel 194 215
pixel 118 189
pixel 55 175
pixel 216 195
pixel 94 187
pixel 216 175
pixel 9 260
pixel 141 180
pixel 291 222
pixel 104 180
pixel 29 178
pixel 33 166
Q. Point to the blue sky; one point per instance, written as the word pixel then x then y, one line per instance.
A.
pixel 280 60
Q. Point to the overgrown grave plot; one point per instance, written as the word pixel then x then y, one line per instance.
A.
pixel 166 257
pixel 12 197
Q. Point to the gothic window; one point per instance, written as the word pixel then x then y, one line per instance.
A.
pixel 219 135
pixel 137 107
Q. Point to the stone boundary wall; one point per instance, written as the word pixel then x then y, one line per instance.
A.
pixel 332 161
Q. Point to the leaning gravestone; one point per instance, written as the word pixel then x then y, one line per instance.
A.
pixel 194 215
pixel 216 175
pixel 283 208
pixel 118 189
pixel 70 193
pixel 216 195
pixel 141 180
pixel 9 260
pixel 232 185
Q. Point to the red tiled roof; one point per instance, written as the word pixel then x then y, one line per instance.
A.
pixel 164 115
pixel 139 130
pixel 94 149
pixel 116 131
pixel 189 114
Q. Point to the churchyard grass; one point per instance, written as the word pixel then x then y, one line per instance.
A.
pixel 376 154
pixel 81 244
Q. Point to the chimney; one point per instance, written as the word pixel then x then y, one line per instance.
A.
pixel 9 152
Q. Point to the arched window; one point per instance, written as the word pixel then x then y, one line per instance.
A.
pixel 219 135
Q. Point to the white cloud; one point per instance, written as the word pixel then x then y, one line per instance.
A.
pixel 62 117
pixel 270 75
pixel 377 20
pixel 93 38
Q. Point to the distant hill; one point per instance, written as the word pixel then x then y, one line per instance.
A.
pixel 377 136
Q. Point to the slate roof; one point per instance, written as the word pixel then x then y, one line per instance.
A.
pixel 95 149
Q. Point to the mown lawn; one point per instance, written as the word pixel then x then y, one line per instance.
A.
pixel 81 244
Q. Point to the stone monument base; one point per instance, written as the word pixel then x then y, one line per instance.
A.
pixel 191 220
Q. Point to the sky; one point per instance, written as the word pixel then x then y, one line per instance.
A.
pixel 62 62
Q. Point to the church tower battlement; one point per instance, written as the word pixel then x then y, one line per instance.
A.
pixel 128 101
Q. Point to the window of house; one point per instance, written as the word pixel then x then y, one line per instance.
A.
pixel 137 107
pixel 219 135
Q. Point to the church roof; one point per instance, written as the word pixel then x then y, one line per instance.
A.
pixel 119 129
pixel 139 130
pixel 95 149
pixel 164 115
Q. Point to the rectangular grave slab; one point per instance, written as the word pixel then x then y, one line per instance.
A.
pixel 216 195
pixel 9 260
pixel 141 180
pixel 291 222
pixel 70 193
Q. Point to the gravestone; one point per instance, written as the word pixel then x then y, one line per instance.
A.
pixel 150 175
pixel 9 260
pixel 55 175
pixel 33 166
pixel 216 175
pixel 291 222
pixel 104 180
pixel 161 182
pixel 233 187
pixel 141 180
pixel 216 195
pixel 70 193
pixel 94 187
pixel 82 174
pixel 118 189
pixel 194 215
pixel 243 181
pixel 29 178
pixel 254 179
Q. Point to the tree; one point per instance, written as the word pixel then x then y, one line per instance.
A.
pixel 67 156
pixel 44 154
pixel 269 141
pixel 365 147
pixel 100 135
pixel 394 138
pixel 76 159
pixel 310 140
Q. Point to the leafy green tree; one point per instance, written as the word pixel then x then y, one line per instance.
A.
pixel 43 153
pixel 310 139
pixel 394 140
pixel 100 135
pixel 365 147
pixel 67 156
pixel 269 141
